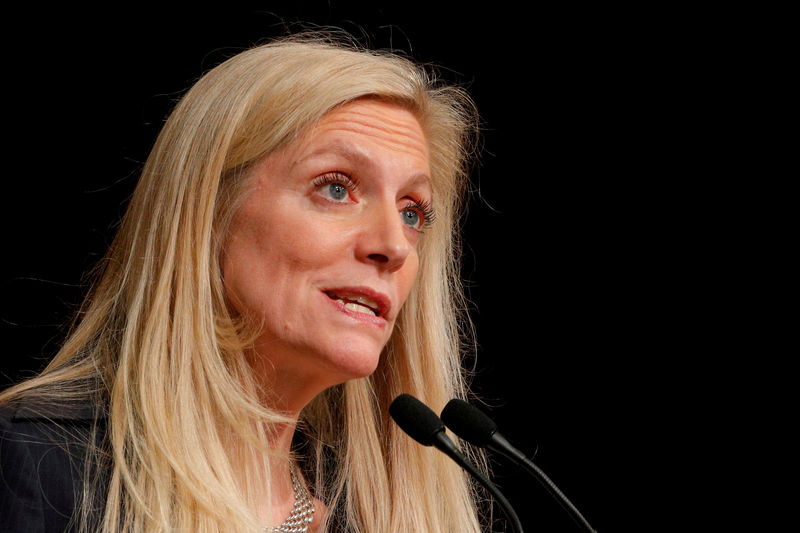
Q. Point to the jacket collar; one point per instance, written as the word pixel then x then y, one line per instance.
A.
pixel 45 411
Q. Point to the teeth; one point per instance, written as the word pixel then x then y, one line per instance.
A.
pixel 366 302
pixel 358 308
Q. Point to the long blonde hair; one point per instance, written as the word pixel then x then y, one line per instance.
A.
pixel 156 346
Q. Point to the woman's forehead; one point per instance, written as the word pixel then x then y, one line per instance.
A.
pixel 389 125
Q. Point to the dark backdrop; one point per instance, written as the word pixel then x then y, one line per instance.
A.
pixel 576 256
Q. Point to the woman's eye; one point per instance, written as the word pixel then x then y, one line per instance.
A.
pixel 337 191
pixel 335 186
pixel 411 218
pixel 417 215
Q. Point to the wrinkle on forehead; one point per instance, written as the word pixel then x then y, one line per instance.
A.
pixel 390 125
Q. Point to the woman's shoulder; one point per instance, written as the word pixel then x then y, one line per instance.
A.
pixel 35 409
pixel 33 424
pixel 42 450
pixel 40 428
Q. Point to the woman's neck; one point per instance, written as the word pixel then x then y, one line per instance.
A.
pixel 290 390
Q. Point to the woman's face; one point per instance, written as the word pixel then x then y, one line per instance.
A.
pixel 324 247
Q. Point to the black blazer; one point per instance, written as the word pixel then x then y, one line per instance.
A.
pixel 41 465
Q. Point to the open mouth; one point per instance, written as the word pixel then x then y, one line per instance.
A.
pixel 358 303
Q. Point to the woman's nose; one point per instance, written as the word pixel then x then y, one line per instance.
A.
pixel 383 241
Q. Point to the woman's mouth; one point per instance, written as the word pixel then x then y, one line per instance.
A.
pixel 360 300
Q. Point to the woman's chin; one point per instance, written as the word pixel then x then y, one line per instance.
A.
pixel 353 362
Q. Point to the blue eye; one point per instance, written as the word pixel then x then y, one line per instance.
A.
pixel 418 215
pixel 336 186
pixel 337 191
pixel 410 218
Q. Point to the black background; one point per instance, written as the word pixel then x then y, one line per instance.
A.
pixel 586 250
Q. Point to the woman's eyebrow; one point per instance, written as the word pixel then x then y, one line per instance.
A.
pixel 354 154
pixel 421 180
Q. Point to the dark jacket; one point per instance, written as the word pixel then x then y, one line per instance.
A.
pixel 42 450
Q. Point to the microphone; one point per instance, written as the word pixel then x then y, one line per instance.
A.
pixel 422 425
pixel 475 427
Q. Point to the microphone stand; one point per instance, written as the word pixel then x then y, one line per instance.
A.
pixel 475 427
pixel 425 427
pixel 499 444
pixel 443 443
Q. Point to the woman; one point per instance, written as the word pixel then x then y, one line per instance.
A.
pixel 286 267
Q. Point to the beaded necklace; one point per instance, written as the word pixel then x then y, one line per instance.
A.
pixel 302 511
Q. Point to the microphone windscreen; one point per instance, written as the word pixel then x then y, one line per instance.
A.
pixel 468 422
pixel 416 419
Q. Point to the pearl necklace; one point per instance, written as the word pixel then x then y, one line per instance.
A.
pixel 302 511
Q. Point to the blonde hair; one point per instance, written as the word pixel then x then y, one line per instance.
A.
pixel 155 342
